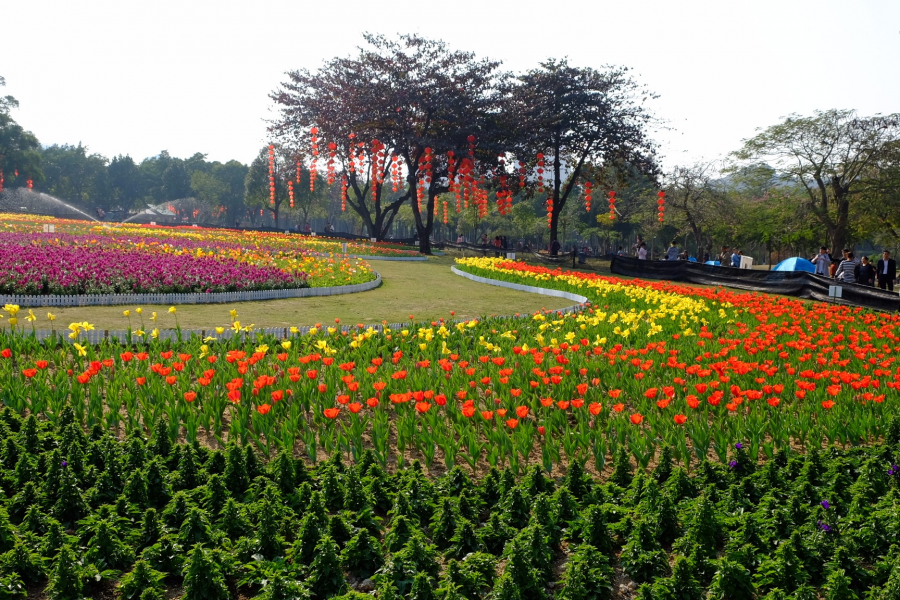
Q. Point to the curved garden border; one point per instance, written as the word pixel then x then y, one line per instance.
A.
pixel 27 301
pixel 526 288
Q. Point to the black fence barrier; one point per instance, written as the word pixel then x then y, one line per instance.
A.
pixel 787 283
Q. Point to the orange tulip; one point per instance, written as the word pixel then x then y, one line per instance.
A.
pixel 354 407
pixel 331 413
pixel 594 408
pixel 618 407
pixel 263 409
pixel 828 404
pixel 680 419
pixel 512 423
pixel 637 418
pixel 190 396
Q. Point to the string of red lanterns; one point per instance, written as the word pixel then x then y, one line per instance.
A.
pixel 612 205
pixel 344 182
pixel 587 195
pixel 315 154
pixel 291 192
pixel 661 201
pixel 272 174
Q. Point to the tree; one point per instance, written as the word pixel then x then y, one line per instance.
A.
pixel 124 182
pixel 694 197
pixel 20 158
pixel 71 173
pixel 573 117
pixel 402 108
pixel 828 154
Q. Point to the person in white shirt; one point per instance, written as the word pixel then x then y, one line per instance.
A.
pixel 642 251
pixel 822 262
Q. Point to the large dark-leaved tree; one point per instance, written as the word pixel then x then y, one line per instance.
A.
pixel 406 98
pixel 579 119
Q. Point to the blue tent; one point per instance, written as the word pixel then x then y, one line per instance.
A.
pixel 713 262
pixel 795 264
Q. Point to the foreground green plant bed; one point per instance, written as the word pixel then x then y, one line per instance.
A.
pixel 83 514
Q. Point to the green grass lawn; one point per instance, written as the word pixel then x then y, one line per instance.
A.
pixel 427 290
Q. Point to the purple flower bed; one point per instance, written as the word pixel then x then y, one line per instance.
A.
pixel 29 266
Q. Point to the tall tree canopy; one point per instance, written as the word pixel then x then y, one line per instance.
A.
pixel 20 159
pixel 408 113
pixel 829 154
pixel 566 119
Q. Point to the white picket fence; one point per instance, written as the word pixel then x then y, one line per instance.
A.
pixel 29 301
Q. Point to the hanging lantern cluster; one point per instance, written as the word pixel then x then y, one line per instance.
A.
pixel 378 154
pixel 425 167
pixel 299 173
pixel 315 154
pixel 343 193
pixel 587 195
pixel 504 197
pixel 451 177
pixel 446 218
pixel 612 205
pixel 471 140
pixel 661 202
pixel 352 165
pixel 272 174
pixel 291 192
pixel 332 152
pixel 29 183
pixel 395 172
pixel 522 173
pixel 466 186
pixel 481 201
pixel 549 211
pixel 540 172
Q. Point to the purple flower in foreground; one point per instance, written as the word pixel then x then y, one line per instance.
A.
pixel 738 446
pixel 894 471
pixel 733 464
pixel 825 504
pixel 824 526
pixel 65 464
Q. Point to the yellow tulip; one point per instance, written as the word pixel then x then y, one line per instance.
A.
pixel 126 313
pixel 220 330
pixel 139 310
pixel 51 316
pixel 13 320
pixel 286 344
pixel 171 310
pixel 12 309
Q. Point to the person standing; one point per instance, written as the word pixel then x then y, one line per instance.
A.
pixel 642 251
pixel 736 259
pixel 672 253
pixel 822 262
pixel 886 271
pixel 847 271
pixel 866 272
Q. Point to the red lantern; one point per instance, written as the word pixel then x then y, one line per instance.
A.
pixel 291 192
pixel 29 183
pixel 587 195
pixel 661 201
pixel 343 193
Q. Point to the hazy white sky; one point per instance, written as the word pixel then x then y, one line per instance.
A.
pixel 128 77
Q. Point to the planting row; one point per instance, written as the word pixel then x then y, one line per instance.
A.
pixel 85 514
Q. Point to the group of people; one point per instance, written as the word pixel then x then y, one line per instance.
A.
pixel 857 270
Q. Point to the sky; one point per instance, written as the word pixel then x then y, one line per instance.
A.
pixel 188 76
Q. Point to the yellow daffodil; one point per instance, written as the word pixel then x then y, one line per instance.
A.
pixel 12 309
pixel 171 310
pixel 51 317
pixel 31 318
pixel 262 349
pixel 233 314
pixel 155 333
pixel 82 351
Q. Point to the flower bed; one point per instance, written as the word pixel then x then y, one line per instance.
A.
pixel 269 243
pixel 89 514
pixel 59 263
pixel 746 445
